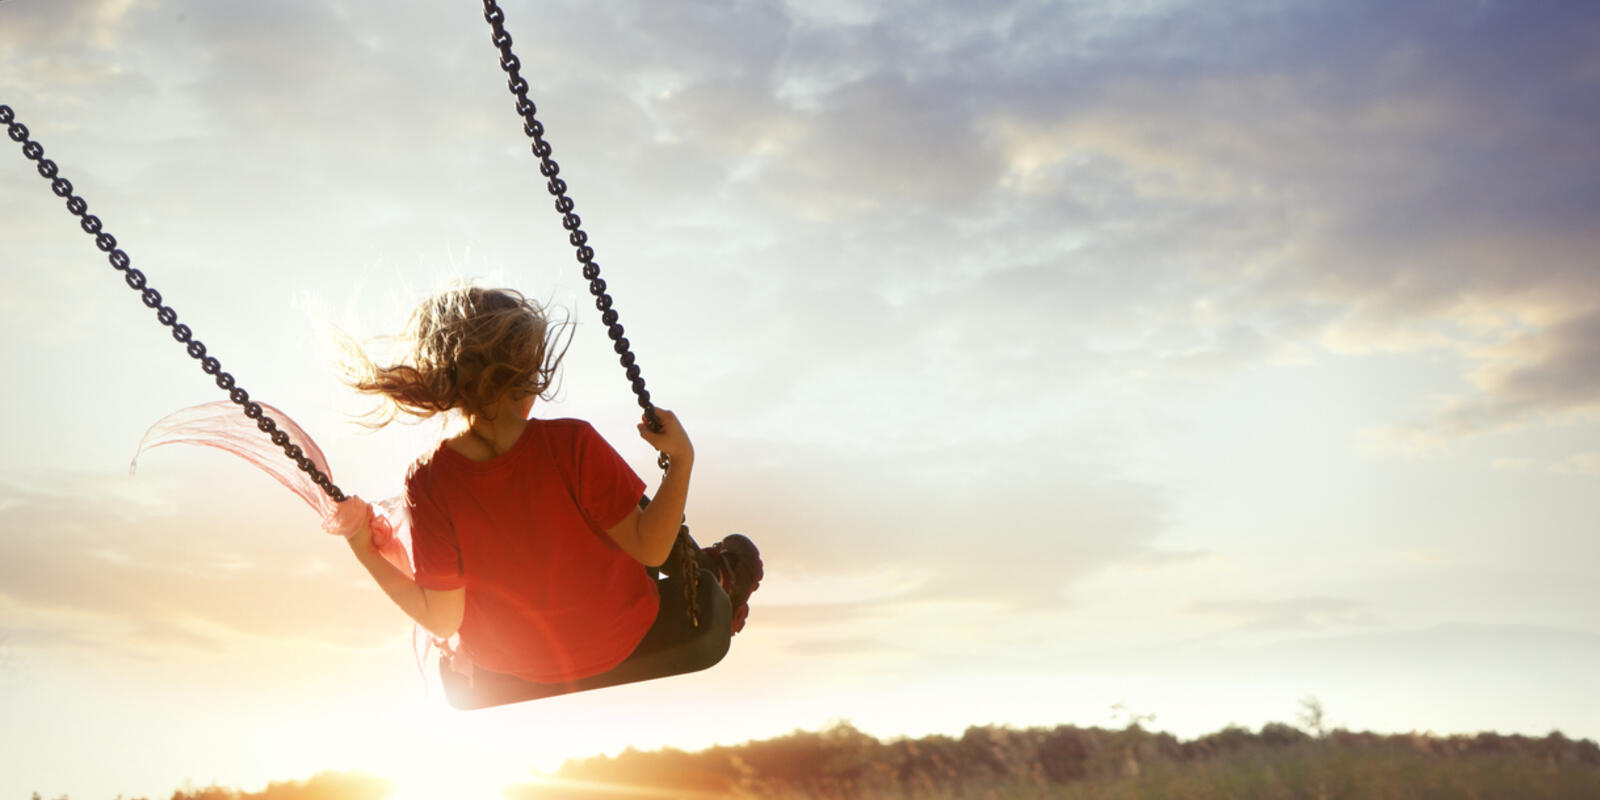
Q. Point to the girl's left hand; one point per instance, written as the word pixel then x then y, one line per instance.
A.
pixel 672 440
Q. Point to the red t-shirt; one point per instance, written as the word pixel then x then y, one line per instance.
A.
pixel 550 597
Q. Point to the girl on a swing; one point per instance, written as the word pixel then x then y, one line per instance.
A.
pixel 528 535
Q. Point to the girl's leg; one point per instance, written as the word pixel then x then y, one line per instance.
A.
pixel 670 647
pixel 672 631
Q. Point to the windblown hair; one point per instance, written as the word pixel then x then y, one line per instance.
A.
pixel 465 348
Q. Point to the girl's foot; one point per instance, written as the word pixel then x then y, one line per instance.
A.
pixel 737 565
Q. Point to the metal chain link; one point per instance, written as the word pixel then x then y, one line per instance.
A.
pixel 136 280
pixel 684 547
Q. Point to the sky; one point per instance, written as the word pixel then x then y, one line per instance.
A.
pixel 1195 357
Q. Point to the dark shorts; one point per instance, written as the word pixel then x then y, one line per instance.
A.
pixel 671 647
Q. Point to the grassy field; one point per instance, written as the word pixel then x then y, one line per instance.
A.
pixel 1319 771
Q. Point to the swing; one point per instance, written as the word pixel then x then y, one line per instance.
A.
pixel 671 647
pixel 694 640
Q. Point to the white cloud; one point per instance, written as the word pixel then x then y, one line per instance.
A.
pixel 933 233
pixel 1586 464
pixel 1297 614
pixel 82 567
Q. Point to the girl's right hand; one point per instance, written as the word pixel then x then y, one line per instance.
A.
pixel 672 440
pixel 361 539
pixel 353 521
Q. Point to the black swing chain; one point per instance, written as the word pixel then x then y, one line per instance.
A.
pixel 136 280
pixel 684 548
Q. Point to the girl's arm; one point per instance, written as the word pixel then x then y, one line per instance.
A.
pixel 438 612
pixel 648 535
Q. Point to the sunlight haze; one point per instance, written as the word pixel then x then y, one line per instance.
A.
pixel 1197 357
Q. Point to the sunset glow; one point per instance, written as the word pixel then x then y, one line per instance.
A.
pixel 1194 357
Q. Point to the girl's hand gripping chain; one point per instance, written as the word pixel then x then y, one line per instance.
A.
pixel 672 440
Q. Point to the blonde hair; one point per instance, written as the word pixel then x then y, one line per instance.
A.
pixel 464 348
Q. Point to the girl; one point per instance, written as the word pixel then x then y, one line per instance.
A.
pixel 528 535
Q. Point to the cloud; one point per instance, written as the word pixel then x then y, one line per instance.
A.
pixel 923 250
pixel 70 41
pixel 1531 378
pixel 1106 182
pixel 1333 181
pixel 1163 207
pixel 1585 464
pixel 1421 655
pixel 1163 559
pixel 980 525
pixel 817 614
pixel 85 566
pixel 857 649
pixel 1580 464
pixel 1296 614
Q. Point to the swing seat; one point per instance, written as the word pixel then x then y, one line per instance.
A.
pixel 685 650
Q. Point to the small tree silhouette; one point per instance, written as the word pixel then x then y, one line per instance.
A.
pixel 1134 721
pixel 1313 717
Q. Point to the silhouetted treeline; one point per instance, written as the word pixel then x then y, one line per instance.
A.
pixel 1066 762
pixel 322 786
